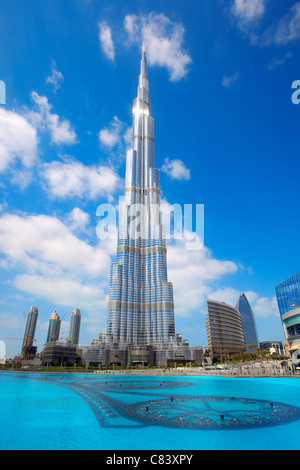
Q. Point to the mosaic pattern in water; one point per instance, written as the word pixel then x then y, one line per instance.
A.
pixel 121 403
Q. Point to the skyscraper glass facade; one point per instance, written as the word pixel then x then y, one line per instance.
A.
pixel 30 329
pixel 288 299
pixel 75 327
pixel 248 321
pixel 141 308
pixel 288 294
pixel 54 327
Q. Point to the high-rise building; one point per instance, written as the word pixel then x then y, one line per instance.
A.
pixel 288 299
pixel 75 327
pixel 54 327
pixel 27 347
pixel 140 326
pixel 248 321
pixel 288 294
pixel 224 330
pixel 141 308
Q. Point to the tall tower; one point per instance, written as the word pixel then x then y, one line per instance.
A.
pixel 27 347
pixel 75 327
pixel 248 321
pixel 141 308
pixel 224 329
pixel 54 327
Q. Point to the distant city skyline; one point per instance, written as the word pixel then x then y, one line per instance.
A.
pixel 223 89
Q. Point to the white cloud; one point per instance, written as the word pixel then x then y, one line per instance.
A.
pixel 70 178
pixel 265 307
pixel 106 41
pixel 44 244
pixel 116 133
pixel 10 320
pixel 192 273
pixel 78 220
pixel 248 15
pixel 60 130
pixel 228 81
pixel 176 169
pixel 226 294
pixel 278 61
pixel 56 77
pixel 288 29
pixel 249 10
pixel 18 140
pixel 64 291
pixel 127 136
pixel 164 42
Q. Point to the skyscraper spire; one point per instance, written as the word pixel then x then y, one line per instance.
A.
pixel 143 89
pixel 143 62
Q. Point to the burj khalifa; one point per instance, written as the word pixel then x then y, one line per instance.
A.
pixel 141 307
pixel 140 322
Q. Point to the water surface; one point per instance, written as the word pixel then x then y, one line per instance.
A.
pixel 48 412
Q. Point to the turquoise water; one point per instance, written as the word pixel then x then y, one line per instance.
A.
pixel 40 412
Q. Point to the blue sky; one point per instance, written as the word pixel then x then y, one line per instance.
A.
pixel 226 130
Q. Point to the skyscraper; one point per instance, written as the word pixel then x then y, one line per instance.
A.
pixel 54 328
pixel 288 299
pixel 27 347
pixel 75 327
pixel 288 294
pixel 248 321
pixel 140 323
pixel 141 308
pixel 224 329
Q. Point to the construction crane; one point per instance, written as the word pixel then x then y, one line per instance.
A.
pixel 64 337
pixel 19 339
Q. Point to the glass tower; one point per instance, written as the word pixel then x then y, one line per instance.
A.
pixel 141 308
pixel 288 294
pixel 248 321
pixel 30 330
pixel 75 327
pixel 288 299
pixel 54 328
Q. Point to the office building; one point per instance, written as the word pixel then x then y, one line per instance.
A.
pixel 27 346
pixel 75 327
pixel 54 328
pixel 59 353
pixel 288 294
pixel 224 330
pixel 288 299
pixel 248 322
